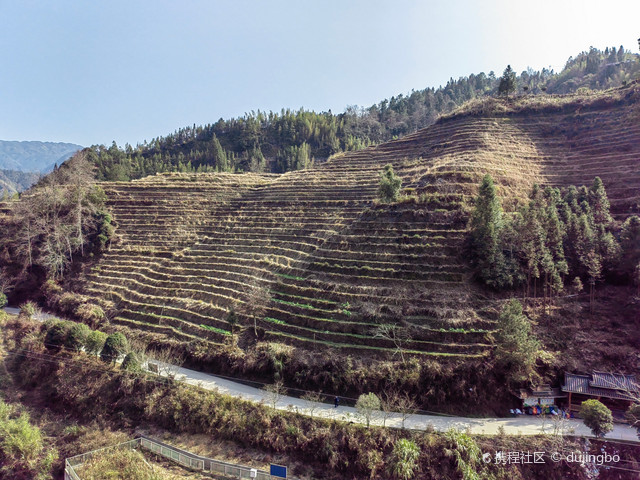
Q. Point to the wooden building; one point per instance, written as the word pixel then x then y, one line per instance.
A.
pixel 617 391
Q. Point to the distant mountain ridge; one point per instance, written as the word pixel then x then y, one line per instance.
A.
pixel 34 156
pixel 14 181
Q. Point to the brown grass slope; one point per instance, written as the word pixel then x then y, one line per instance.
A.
pixel 312 260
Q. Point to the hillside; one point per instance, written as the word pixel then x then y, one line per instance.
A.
pixel 12 181
pixel 309 259
pixel 34 156
pixel 292 140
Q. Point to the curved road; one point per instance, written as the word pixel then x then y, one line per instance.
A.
pixel 521 425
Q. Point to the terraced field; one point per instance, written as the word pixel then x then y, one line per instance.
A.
pixel 311 259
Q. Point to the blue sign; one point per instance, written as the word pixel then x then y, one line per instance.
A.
pixel 278 471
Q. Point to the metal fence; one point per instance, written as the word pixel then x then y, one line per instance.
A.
pixel 70 464
pixel 177 455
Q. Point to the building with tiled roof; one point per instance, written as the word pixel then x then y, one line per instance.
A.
pixel 615 390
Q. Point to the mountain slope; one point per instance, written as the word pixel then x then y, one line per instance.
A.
pixel 12 181
pixel 290 140
pixel 34 156
pixel 312 260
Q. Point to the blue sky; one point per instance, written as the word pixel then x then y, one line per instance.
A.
pixel 91 72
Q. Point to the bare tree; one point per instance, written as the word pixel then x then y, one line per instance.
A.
pixel 53 217
pixel 396 333
pixel 274 393
pixel 79 176
pixel 401 403
pixel 312 401
pixel 407 407
pixel 167 362
pixel 26 232
pixel 560 428
pixel 256 300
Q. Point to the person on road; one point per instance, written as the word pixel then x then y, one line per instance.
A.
pixel 336 402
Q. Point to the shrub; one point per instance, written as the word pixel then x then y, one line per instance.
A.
pixel 123 463
pixel 91 314
pixel 68 302
pixel 56 336
pixel 29 309
pixel 131 362
pixel 597 417
pixel 115 345
pixel 77 337
pixel 95 342
pixel 390 184
pixel 22 447
pixel 3 300
pixel 404 459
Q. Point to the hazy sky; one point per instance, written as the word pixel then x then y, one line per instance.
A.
pixel 93 71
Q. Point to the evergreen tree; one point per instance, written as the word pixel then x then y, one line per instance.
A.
pixel 115 345
pixel 554 244
pixel 588 254
pixel 486 226
pixel 599 204
pixel 630 246
pixel 219 156
pixel 517 349
pixel 507 82
pixel 597 417
pixel 389 187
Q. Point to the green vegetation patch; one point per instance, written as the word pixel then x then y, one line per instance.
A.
pixel 275 320
pixel 290 277
pixel 215 329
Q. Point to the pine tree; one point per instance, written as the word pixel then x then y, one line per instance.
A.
pixel 630 246
pixel 588 255
pixel 599 204
pixel 507 82
pixel 517 349
pixel 555 233
pixel 219 156
pixel 486 227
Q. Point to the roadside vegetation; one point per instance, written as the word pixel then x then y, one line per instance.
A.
pixel 93 390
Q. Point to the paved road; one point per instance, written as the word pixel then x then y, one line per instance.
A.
pixel 42 316
pixel 521 425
